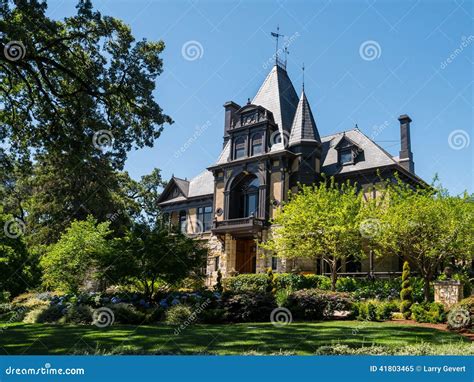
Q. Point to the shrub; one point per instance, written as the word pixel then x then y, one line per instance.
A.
pixel 373 310
pixel 258 282
pixel 155 315
pixel 315 304
pixel 271 286
pixel 126 314
pixel 78 314
pixel 212 316
pixel 178 314
pixel 428 312
pixel 246 307
pixel 219 287
pixel 406 294
pixel 45 314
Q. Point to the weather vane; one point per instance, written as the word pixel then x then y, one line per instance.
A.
pixel 277 35
pixel 302 68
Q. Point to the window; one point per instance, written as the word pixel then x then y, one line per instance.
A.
pixel 274 263
pixel 216 263
pixel 182 221
pixel 204 215
pixel 250 194
pixel 239 148
pixel 257 146
pixel 346 156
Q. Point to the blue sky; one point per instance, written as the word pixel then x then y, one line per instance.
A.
pixel 366 62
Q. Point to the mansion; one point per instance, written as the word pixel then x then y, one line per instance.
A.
pixel 270 145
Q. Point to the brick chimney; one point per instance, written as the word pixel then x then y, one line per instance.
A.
pixel 406 156
pixel 230 109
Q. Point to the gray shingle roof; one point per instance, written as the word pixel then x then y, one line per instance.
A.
pixel 278 95
pixel 374 155
pixel 203 184
pixel 304 127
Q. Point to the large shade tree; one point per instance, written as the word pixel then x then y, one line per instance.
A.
pixel 320 221
pixel 76 96
pixel 427 227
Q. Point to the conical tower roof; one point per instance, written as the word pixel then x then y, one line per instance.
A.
pixel 304 127
pixel 278 95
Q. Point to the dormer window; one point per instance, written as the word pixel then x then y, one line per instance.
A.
pixel 257 144
pixel 346 157
pixel 239 148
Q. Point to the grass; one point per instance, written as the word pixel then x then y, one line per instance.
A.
pixel 299 338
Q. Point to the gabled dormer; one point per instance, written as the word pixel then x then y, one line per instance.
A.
pixel 348 152
pixel 176 189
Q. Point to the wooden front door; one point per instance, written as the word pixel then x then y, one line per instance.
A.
pixel 246 256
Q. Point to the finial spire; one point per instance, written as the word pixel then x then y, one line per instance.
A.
pixel 302 68
pixel 277 35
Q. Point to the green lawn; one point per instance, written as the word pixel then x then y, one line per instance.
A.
pixel 299 338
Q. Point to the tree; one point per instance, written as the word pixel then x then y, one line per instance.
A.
pixel 18 269
pixel 77 257
pixel 76 96
pixel 406 294
pixel 62 82
pixel 427 227
pixel 319 221
pixel 150 255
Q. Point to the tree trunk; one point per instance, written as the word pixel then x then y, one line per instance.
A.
pixel 426 288
pixel 333 275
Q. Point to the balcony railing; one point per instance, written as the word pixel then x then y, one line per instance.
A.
pixel 240 225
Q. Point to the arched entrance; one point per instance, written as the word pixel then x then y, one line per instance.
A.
pixel 244 196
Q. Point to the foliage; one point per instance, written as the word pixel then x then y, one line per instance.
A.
pixel 178 314
pixel 45 314
pixel 375 310
pixel 406 294
pixel 212 316
pixel 271 286
pixel 426 227
pixel 218 287
pixel 461 315
pixel 126 314
pixel 417 349
pixel 315 304
pixel 150 255
pixel 78 314
pixel 428 312
pixel 78 253
pixel 83 82
pixel 248 307
pixel 18 268
pixel 321 221
pixel 291 281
